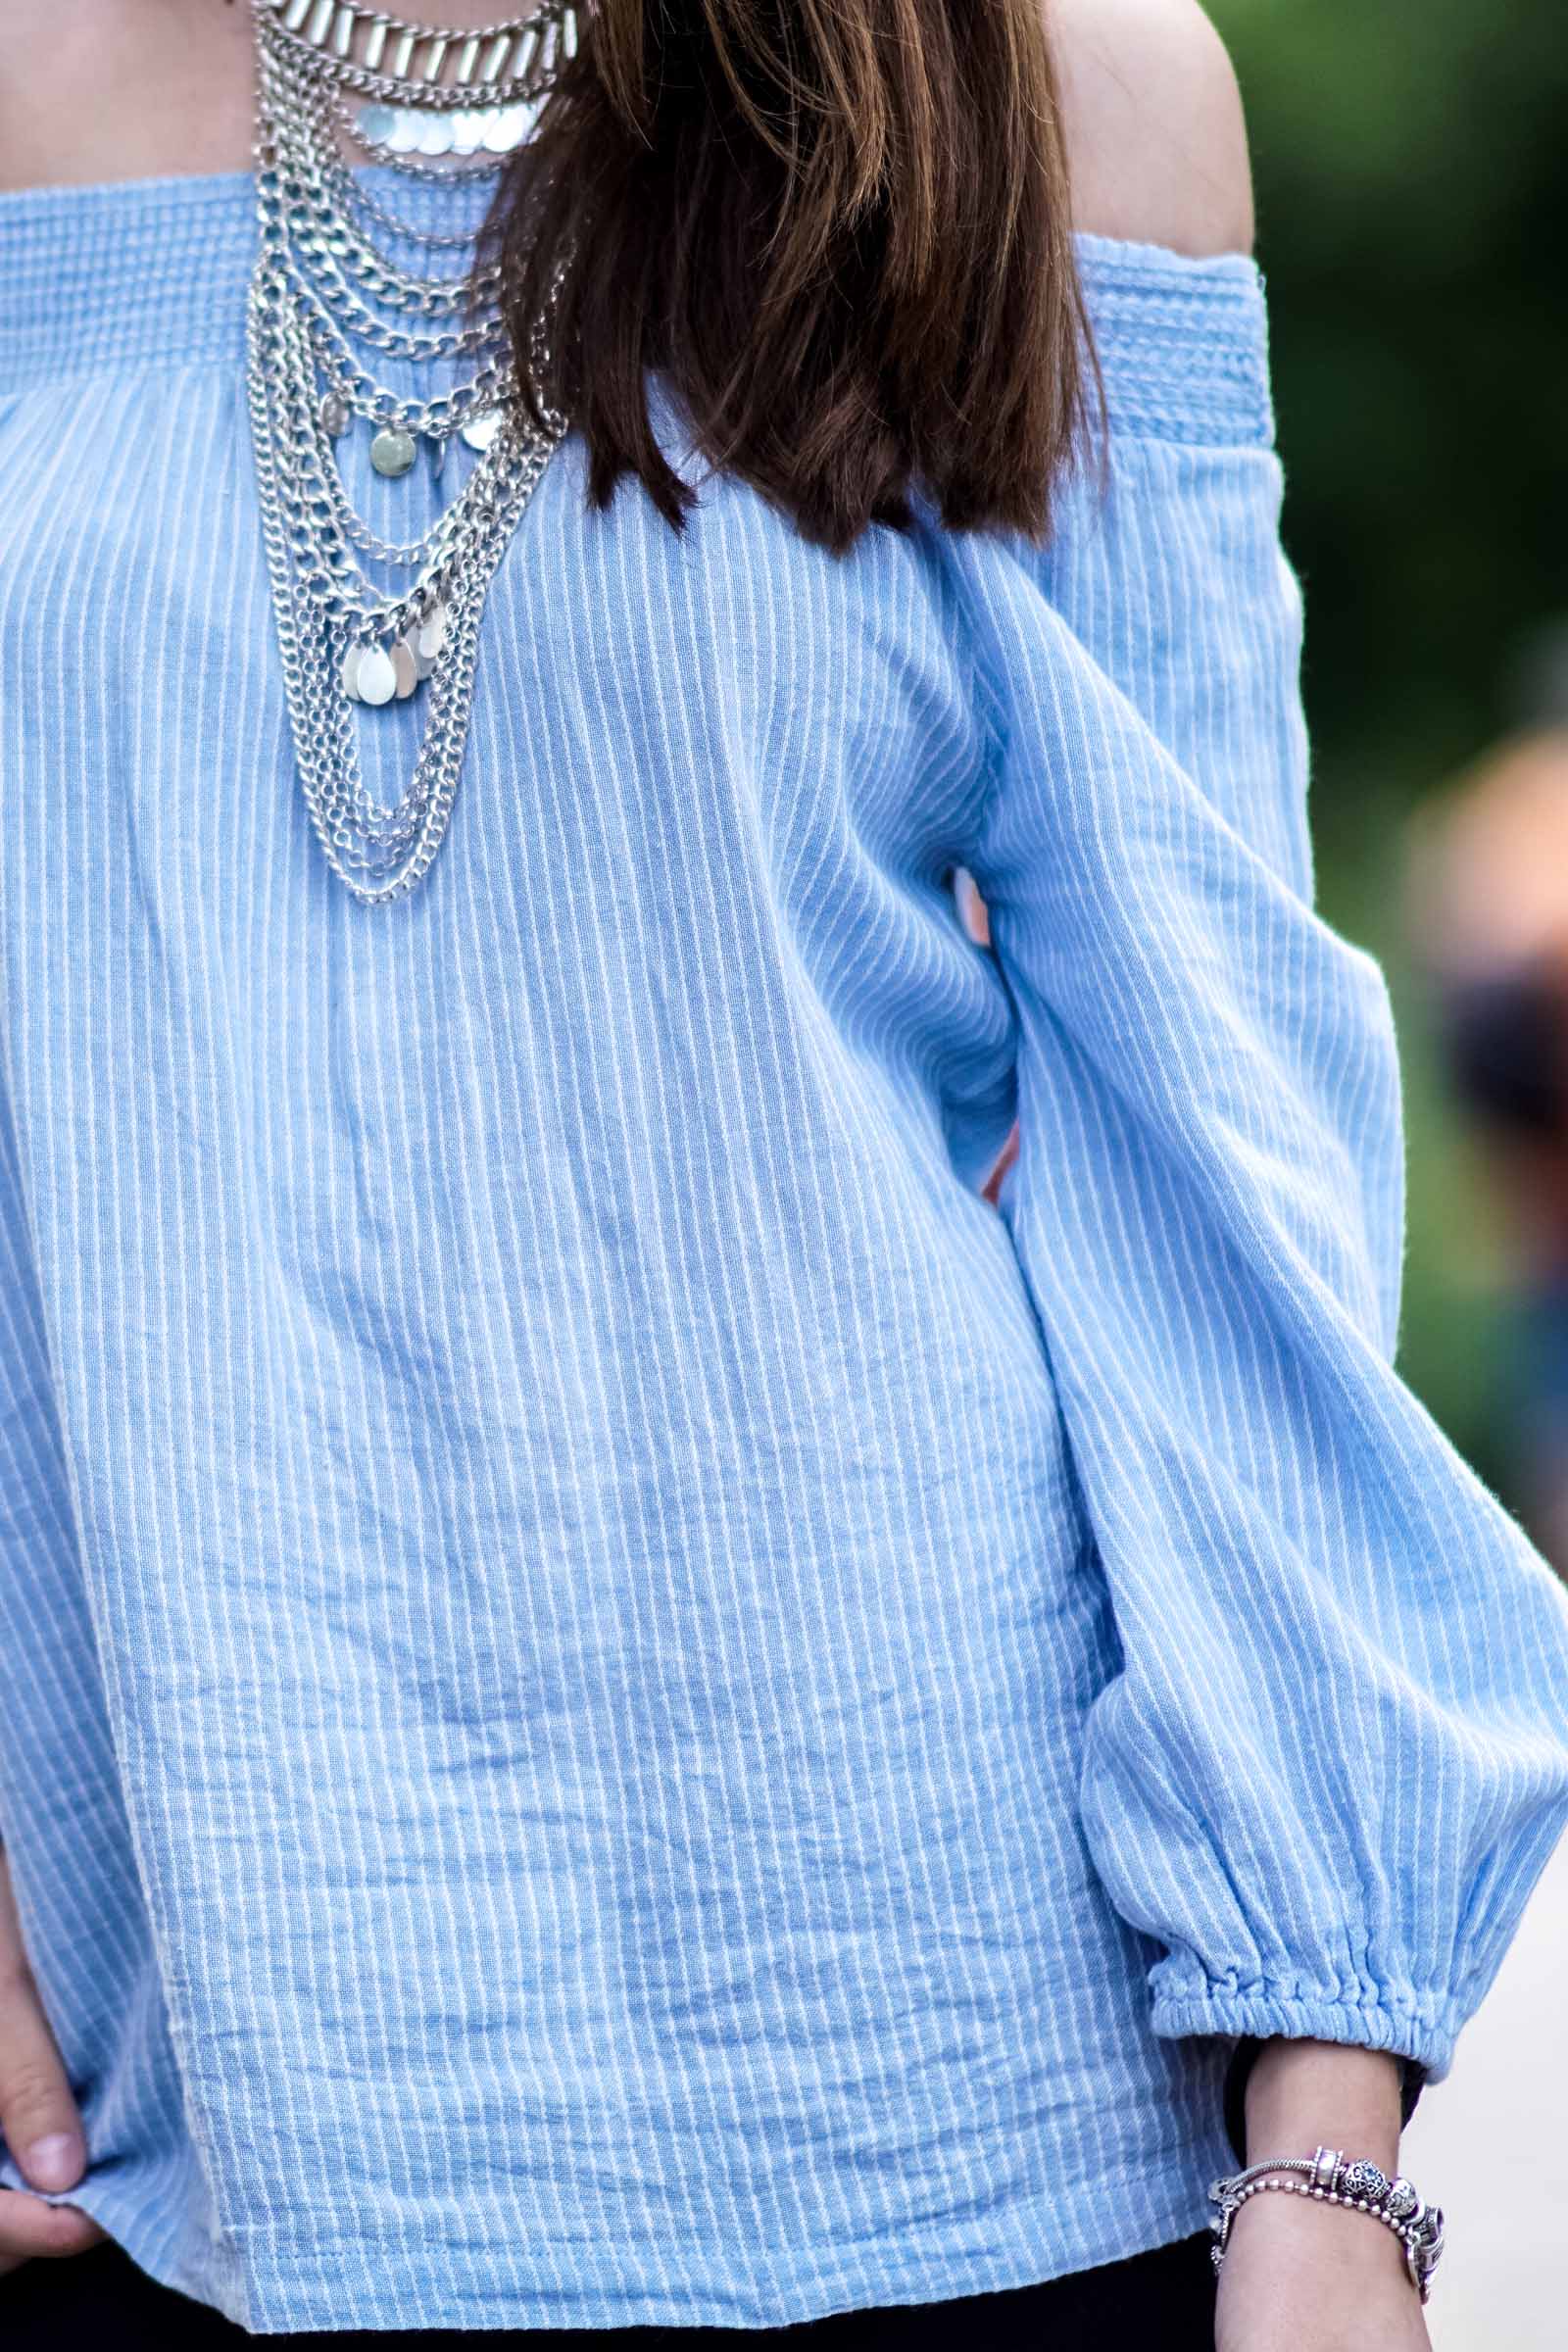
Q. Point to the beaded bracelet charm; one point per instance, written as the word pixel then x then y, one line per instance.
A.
pixel 1334 2179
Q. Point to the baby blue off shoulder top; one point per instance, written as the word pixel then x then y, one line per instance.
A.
pixel 621 1702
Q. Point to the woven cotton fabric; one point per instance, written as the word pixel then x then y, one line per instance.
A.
pixel 619 1702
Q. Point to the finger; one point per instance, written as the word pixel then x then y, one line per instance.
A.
pixel 37 2113
pixel 29 2228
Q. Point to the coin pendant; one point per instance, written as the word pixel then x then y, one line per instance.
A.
pixel 481 431
pixel 404 671
pixel 377 681
pixel 392 450
pixel 431 634
pixel 335 415
pixel 424 662
pixel 350 672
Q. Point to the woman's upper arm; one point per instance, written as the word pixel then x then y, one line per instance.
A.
pixel 1156 139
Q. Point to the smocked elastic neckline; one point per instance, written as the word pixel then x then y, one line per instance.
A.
pixel 151 273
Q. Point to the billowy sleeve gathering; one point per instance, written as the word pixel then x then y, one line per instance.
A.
pixel 1334 1761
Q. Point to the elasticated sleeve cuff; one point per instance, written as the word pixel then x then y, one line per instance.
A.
pixel 1422 2031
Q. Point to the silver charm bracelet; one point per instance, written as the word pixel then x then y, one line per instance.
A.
pixel 1333 2179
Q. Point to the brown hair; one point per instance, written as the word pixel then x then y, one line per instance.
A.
pixel 840 229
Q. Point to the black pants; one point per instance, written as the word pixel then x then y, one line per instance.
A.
pixel 100 2302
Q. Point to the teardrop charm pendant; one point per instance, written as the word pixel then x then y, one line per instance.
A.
pixel 377 681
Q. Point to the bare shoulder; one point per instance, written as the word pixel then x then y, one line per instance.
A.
pixel 1156 139
pixel 123 89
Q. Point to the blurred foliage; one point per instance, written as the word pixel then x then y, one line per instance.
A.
pixel 1411 172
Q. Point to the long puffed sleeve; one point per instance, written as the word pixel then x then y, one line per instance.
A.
pixel 1334 1761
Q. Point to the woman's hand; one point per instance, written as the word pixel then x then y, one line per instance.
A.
pixel 37 2113
pixel 1303 2276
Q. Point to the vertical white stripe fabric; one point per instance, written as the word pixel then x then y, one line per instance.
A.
pixel 1301 1791
pixel 618 1703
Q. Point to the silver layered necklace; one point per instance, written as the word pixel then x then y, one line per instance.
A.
pixel 365 620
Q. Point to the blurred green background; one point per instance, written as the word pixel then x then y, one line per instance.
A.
pixel 1412 168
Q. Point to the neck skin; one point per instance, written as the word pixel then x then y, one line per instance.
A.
pixel 98 91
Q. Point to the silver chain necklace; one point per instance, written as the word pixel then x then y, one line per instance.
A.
pixel 439 105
